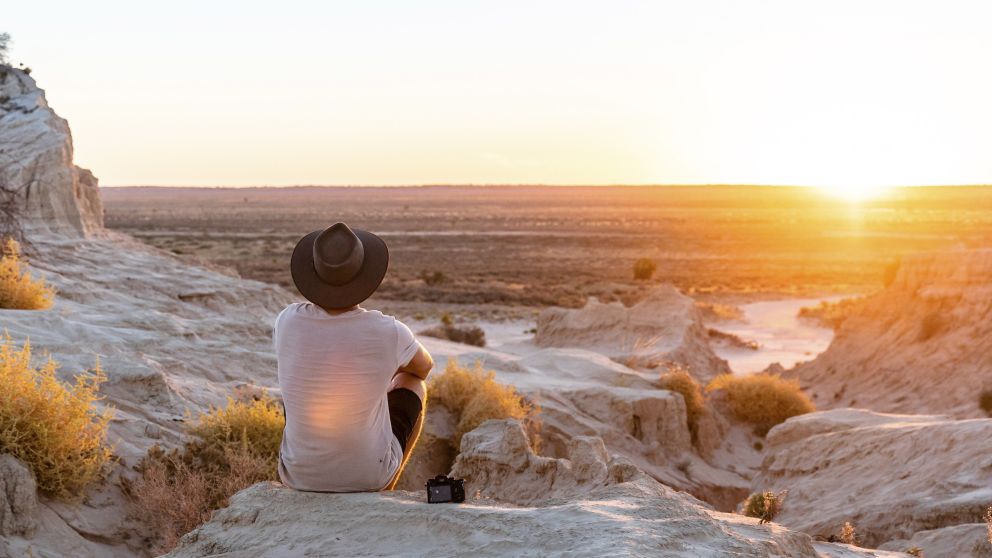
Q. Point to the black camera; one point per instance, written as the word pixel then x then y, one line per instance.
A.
pixel 442 489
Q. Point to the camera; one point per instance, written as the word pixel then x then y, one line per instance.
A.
pixel 442 489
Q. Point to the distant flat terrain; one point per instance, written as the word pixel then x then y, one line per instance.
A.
pixel 533 246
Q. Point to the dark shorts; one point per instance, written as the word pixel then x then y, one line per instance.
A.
pixel 404 410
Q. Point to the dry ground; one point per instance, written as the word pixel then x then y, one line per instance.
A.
pixel 528 247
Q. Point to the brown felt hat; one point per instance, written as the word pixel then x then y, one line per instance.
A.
pixel 339 266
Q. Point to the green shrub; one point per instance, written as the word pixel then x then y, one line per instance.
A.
pixel 764 505
pixel 763 400
pixel 644 269
pixel 52 427
pixel 678 379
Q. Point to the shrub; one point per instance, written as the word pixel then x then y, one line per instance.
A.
pixel 474 396
pixel 764 505
pixel 679 380
pixel 233 448
pixel 831 314
pixel 4 43
pixel 50 426
pixel 985 401
pixel 252 425
pixel 644 269
pixel 763 400
pixel 432 279
pixel 18 290
pixel 848 535
pixel 469 335
pixel 988 522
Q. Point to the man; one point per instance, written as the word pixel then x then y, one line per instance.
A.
pixel 352 380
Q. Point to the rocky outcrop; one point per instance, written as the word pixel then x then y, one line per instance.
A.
pixel 18 498
pixel 666 327
pixel 922 345
pixel 969 540
pixel 36 169
pixel 891 476
pixel 590 505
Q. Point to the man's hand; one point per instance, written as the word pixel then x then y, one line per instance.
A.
pixel 420 365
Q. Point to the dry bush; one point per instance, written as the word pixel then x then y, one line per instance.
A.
pixel 644 269
pixel 474 396
pixel 678 379
pixel 18 289
pixel 255 425
pixel 233 448
pixel 848 535
pixel 985 401
pixel 468 335
pixel 988 522
pixel 763 400
pixel 50 426
pixel 764 505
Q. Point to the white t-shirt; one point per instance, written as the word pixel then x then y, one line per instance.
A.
pixel 334 371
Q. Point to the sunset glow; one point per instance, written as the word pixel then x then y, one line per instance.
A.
pixel 766 92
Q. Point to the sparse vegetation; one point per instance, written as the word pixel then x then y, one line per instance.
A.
pixel 50 426
pixel 469 335
pixel 763 400
pixel 18 289
pixel 830 314
pixel 679 380
pixel 985 401
pixel 915 551
pixel 474 396
pixel 432 279
pixel 644 269
pixel 848 534
pixel 988 523
pixel 764 505
pixel 232 448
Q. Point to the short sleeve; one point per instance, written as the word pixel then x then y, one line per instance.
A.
pixel 406 345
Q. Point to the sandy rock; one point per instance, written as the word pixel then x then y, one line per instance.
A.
pixel 665 327
pixel 577 507
pixel 922 345
pixel 497 462
pixel 969 540
pixel 18 497
pixel 890 475
pixel 36 161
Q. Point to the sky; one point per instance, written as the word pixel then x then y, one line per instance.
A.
pixel 849 95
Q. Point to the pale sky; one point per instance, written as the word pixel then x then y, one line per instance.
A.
pixel 848 94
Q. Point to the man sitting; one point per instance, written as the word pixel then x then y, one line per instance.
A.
pixel 352 380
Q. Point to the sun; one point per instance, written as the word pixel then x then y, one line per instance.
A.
pixel 854 192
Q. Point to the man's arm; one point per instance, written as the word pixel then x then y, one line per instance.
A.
pixel 420 365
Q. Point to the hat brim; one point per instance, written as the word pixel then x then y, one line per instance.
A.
pixel 325 295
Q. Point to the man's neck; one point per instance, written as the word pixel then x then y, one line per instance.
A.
pixel 336 311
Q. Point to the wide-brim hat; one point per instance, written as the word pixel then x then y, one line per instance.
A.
pixel 339 266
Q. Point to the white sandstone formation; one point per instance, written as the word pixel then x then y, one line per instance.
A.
pixel 36 165
pixel 590 505
pixel 892 476
pixel 922 345
pixel 666 327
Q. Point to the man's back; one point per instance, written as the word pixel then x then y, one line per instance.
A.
pixel 334 371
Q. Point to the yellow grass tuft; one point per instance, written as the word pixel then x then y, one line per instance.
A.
pixel 474 396
pixel 18 290
pixel 234 447
pixel 52 427
pixel 848 534
pixel 253 425
pixel 678 379
pixel 763 400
